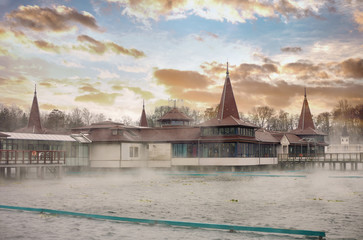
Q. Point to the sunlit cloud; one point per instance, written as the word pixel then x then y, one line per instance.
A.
pixel 358 17
pixel 97 47
pixel 57 18
pixel 230 11
pixel 105 74
pixel 106 99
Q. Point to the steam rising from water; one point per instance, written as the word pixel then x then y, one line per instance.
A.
pixel 315 202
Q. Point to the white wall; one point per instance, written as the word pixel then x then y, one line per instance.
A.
pixel 159 151
pixel 106 155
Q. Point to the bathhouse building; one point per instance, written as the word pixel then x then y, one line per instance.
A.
pixel 225 140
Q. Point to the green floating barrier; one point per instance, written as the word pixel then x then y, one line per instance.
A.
pixel 319 234
pixel 346 176
pixel 269 175
pixel 191 174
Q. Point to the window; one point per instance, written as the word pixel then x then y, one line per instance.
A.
pixel 134 152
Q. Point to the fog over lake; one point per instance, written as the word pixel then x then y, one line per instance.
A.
pixel 329 201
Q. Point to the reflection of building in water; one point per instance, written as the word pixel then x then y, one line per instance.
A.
pixel 225 140
pixel 345 146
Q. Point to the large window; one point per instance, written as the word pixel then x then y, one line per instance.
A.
pixel 223 131
pixel 183 150
pixel 134 152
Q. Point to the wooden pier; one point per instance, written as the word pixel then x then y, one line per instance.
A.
pixel 333 160
pixel 18 163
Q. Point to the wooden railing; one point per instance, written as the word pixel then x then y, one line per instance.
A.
pixel 29 157
pixel 327 157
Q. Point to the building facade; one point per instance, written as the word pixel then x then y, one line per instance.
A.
pixel 225 140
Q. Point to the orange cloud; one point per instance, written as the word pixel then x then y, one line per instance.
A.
pixel 58 18
pixel 100 48
pixel 99 98
pixel 358 17
pixel 46 46
pixel 183 79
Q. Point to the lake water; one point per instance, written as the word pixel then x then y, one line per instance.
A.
pixel 330 201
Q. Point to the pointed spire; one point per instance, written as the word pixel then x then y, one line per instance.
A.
pixel 227 105
pixel 143 120
pixel 34 116
pixel 305 92
pixel 306 119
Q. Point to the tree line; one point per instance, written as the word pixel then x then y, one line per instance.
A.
pixel 331 123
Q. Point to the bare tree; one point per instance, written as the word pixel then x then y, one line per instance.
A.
pixel 86 116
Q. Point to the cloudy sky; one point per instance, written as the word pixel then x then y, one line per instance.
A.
pixel 109 55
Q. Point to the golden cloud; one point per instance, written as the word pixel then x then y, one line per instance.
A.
pixel 100 48
pixel 46 84
pixel 182 79
pixel 99 98
pixel 88 88
pixel 58 18
pixel 3 51
pixel 358 17
pixel 144 94
pixel 48 107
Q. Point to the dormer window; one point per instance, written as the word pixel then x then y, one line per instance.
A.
pixel 116 132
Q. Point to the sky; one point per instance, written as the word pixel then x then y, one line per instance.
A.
pixel 111 55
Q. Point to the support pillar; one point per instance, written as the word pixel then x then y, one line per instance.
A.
pixel 2 172
pixel 17 173
pixel 8 172
pixel 22 173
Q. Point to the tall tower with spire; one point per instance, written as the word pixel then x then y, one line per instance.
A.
pixel 34 125
pixel 227 105
pixel 306 119
pixel 143 120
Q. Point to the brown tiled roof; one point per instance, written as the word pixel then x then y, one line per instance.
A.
pixel 265 136
pixel 307 131
pixel 227 105
pixel 175 114
pixel 292 138
pixel 228 121
pixel 170 134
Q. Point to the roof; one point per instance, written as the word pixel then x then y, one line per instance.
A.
pixel 265 136
pixel 175 114
pixel 228 121
pixel 307 131
pixel 40 137
pixel 104 124
pixel 227 105
pixel 3 135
